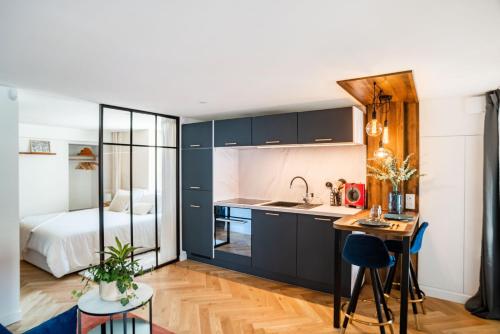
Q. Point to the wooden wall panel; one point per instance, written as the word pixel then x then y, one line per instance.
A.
pixel 403 140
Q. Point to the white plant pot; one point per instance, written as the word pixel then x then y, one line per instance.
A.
pixel 109 292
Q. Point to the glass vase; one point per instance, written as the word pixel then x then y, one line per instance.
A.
pixel 395 202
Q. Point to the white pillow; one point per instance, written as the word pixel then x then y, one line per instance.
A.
pixel 120 202
pixel 142 208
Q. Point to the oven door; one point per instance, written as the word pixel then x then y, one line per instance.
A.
pixel 233 230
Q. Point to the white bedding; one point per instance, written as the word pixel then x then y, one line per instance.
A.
pixel 70 240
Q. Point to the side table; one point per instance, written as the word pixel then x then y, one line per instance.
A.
pixel 92 304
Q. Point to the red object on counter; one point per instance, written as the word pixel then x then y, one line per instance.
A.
pixel 355 195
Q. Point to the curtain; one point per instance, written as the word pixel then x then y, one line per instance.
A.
pixel 167 168
pixel 486 302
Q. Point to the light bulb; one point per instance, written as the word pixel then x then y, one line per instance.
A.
pixel 374 128
pixel 385 136
pixel 382 153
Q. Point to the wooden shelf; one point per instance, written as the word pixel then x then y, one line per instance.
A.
pixel 82 158
pixel 399 85
pixel 37 153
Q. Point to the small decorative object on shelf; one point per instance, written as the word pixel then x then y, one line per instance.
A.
pixel 389 169
pixel 115 276
pixel 39 146
pixel 88 159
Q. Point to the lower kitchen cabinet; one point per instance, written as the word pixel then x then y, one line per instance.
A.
pixel 315 248
pixel 274 242
pixel 197 223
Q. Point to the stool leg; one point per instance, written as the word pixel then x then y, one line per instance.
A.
pixel 417 287
pixel 388 314
pixel 413 305
pixel 377 296
pixel 390 276
pixel 354 298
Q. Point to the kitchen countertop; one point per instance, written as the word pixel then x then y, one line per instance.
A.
pixel 322 210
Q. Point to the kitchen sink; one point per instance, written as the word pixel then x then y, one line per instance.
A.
pixel 292 205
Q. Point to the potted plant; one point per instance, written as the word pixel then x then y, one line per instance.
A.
pixel 389 169
pixel 115 275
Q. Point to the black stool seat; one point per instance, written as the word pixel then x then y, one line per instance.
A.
pixel 368 252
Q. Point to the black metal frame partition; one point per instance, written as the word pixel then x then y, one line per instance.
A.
pixel 131 145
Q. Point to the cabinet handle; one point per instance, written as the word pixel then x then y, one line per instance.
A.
pixel 323 219
pixel 232 143
pixel 231 221
pixel 194 187
pixel 273 141
pixel 195 206
pixel 194 145
pixel 272 214
pixel 318 140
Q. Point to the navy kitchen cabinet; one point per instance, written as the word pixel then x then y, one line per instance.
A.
pixel 315 246
pixel 233 132
pixel 197 223
pixel 197 135
pixel 274 129
pixel 197 169
pixel 274 242
pixel 326 126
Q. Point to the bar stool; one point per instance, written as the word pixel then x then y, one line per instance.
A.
pixel 367 252
pixel 396 247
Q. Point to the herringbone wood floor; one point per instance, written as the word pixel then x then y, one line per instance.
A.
pixel 191 297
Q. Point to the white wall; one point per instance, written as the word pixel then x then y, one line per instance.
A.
pixel 9 211
pixel 44 179
pixel 451 139
pixel 266 173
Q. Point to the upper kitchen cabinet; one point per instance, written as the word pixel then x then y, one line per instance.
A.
pixel 233 132
pixel 340 125
pixel 197 169
pixel 274 129
pixel 197 135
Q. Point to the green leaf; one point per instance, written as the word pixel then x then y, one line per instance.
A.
pixel 135 286
pixel 124 301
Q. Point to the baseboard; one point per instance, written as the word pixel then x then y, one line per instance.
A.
pixel 8 319
pixel 451 296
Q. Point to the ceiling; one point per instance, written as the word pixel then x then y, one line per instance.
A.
pixel 216 58
pixel 60 111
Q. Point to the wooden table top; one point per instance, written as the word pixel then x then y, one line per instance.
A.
pixel 397 228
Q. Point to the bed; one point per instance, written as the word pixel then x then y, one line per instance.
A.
pixel 65 242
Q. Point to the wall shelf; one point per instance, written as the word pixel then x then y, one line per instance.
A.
pixel 37 153
pixel 82 158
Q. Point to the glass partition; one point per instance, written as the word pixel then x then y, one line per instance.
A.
pixel 139 183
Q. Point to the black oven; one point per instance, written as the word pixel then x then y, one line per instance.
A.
pixel 233 230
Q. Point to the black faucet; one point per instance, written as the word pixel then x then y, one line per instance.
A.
pixel 306 198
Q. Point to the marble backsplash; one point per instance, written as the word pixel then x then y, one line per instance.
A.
pixel 265 173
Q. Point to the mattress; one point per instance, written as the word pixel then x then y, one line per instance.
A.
pixel 69 241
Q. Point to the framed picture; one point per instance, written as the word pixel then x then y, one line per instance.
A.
pixel 40 146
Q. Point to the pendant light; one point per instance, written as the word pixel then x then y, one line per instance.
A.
pixel 374 128
pixel 385 100
pixel 381 152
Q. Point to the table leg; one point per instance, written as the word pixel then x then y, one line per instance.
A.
pixel 405 270
pixel 337 279
pixel 79 316
pixel 111 324
pixel 151 316
pixel 125 323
